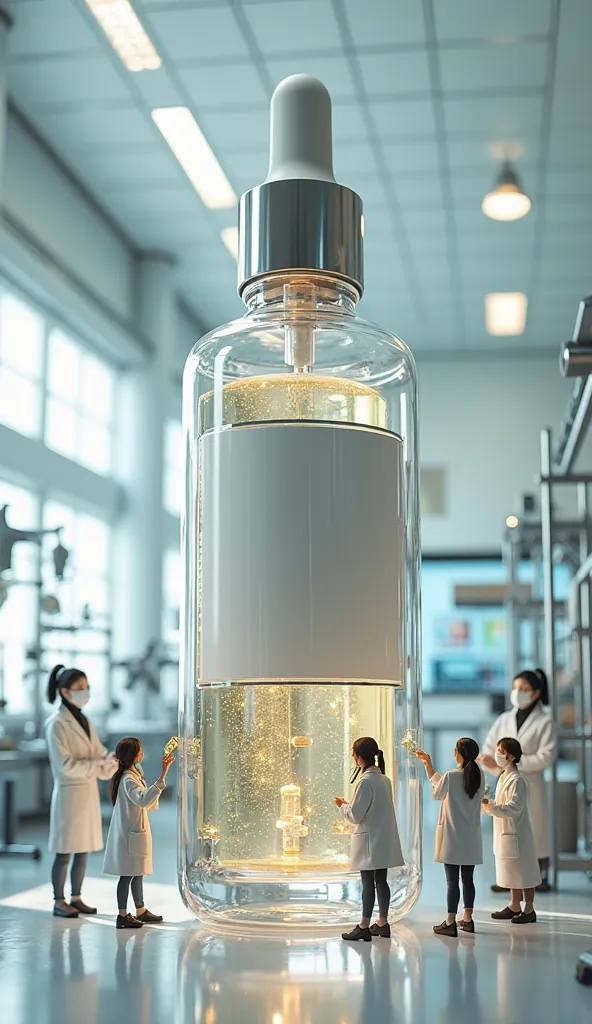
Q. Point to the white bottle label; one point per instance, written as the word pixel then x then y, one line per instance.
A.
pixel 302 555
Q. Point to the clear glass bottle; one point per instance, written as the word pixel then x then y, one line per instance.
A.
pixel 301 537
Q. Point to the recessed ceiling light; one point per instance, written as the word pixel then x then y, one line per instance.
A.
pixel 512 522
pixel 192 150
pixel 505 312
pixel 508 200
pixel 230 239
pixel 124 31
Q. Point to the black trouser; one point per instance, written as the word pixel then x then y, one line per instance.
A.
pixel 123 888
pixel 375 880
pixel 60 870
pixel 466 872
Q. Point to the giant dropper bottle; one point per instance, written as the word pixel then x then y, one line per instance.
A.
pixel 301 538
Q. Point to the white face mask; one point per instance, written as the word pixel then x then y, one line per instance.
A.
pixel 79 698
pixel 501 759
pixel 521 699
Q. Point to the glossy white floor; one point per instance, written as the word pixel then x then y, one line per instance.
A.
pixel 85 972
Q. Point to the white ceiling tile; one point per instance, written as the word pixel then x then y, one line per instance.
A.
pixel 105 127
pixel 78 78
pixel 514 66
pixel 403 119
pixel 50 27
pixel 499 118
pixel 159 89
pixel 333 71
pixel 418 194
pixel 135 164
pixel 248 169
pixel 380 23
pixel 569 148
pixel 395 74
pixel 200 33
pixel 295 26
pixel 573 70
pixel 364 183
pixel 411 158
pixel 571 182
pixel 504 19
pixel 231 132
pixel 419 222
pixel 357 158
pixel 348 122
pixel 224 86
pixel 480 154
pixel 568 217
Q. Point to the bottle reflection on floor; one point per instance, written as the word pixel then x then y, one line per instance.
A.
pixel 295 980
pixel 74 994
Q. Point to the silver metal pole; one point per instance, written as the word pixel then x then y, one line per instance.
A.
pixel 582 696
pixel 509 552
pixel 549 620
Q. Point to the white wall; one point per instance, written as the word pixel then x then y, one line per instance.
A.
pixel 41 197
pixel 481 419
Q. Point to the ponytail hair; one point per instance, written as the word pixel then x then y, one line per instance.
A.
pixel 126 753
pixel 538 680
pixel 366 747
pixel 61 679
pixel 468 749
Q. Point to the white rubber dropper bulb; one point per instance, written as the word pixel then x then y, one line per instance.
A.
pixel 301 143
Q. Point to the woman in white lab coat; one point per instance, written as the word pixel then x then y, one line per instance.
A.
pixel 375 843
pixel 516 864
pixel 129 844
pixel 77 759
pixel 530 723
pixel 459 840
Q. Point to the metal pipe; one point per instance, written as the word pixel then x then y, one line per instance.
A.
pixel 583 611
pixel 546 499
pixel 577 430
pixel 576 478
pixel 575 360
pixel 584 572
pixel 509 554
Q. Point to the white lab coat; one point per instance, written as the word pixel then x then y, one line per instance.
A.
pixel 459 839
pixel 76 763
pixel 375 842
pixel 516 863
pixel 539 750
pixel 129 843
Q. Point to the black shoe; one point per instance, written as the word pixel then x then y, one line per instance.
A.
pixel 68 912
pixel 507 914
pixel 358 934
pixel 499 888
pixel 127 922
pixel 525 918
pixel 467 926
pixel 545 886
pixel 147 918
pixel 446 929
pixel 82 908
pixel 381 930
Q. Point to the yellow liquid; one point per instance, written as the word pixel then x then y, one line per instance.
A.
pixel 292 396
pixel 247 741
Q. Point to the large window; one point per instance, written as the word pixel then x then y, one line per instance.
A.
pixel 173 467
pixel 172 578
pixel 18 607
pixel 80 403
pixel 21 366
pixel 76 630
